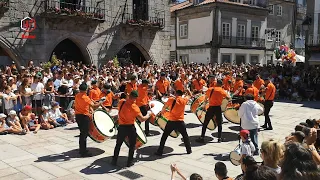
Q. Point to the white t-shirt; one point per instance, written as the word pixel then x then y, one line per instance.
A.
pixel 8 104
pixel 247 148
pixel 46 116
pixel 55 114
pixel 37 88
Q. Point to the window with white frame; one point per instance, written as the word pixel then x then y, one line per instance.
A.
pixel 270 34
pixel 226 30
pixel 278 36
pixel 271 9
pixel 254 32
pixel 279 10
pixel 241 31
pixel 183 30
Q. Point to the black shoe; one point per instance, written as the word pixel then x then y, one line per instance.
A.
pixel 219 140
pixel 86 155
pixel 114 162
pixel 200 140
pixel 189 152
pixel 158 153
pixel 269 128
pixel 129 164
pixel 264 126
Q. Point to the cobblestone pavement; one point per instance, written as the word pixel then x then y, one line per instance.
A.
pixel 53 154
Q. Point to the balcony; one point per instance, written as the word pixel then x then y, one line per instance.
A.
pixel 139 19
pixel 63 10
pixel 242 42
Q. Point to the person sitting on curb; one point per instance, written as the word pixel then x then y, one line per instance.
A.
pixel 5 129
pixel 56 115
pixel 33 123
pixel 221 171
pixel 14 122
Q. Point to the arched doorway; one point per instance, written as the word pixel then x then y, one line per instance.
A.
pixel 67 50
pixel 130 54
pixel 5 59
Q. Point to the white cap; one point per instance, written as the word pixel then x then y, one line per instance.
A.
pixel 12 112
pixel 45 108
pixel 10 78
pixel 76 77
pixel 64 82
pixel 2 115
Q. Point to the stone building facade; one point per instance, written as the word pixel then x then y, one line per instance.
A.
pixel 99 29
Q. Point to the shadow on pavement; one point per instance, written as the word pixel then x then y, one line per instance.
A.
pixel 147 153
pixel 308 104
pixel 235 128
pixel 193 142
pixel 72 128
pixel 66 156
pixel 193 125
pixel 103 166
pixel 219 157
pixel 227 136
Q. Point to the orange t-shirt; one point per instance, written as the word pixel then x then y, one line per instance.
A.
pixel 109 98
pixel 198 85
pixel 131 87
pixel 128 113
pixel 179 84
pixel 213 84
pixel 82 104
pixel 177 113
pixel 258 83
pixel 237 85
pixel 270 92
pixel 217 96
pixel 162 86
pixel 226 84
pixel 95 94
pixel 143 97
pixel 254 91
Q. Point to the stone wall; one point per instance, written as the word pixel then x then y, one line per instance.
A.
pixel 98 41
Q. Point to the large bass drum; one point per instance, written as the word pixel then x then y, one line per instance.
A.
pixel 162 121
pixel 235 156
pixel 201 114
pixel 141 137
pixel 101 127
pixel 155 107
pixel 198 99
pixel 232 116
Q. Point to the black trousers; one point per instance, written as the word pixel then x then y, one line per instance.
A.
pixel 144 110
pixel 123 132
pixel 83 124
pixel 178 126
pixel 267 107
pixel 211 112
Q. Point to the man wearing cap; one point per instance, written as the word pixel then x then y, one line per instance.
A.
pixel 269 97
pixel 215 97
pixel 162 86
pixel 249 114
pixel 175 116
pixel 128 112
pixel 252 90
pixel 132 85
pixel 95 92
pixel 143 100
pixel 82 104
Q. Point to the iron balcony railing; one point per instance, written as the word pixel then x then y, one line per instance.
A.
pixel 71 9
pixel 242 41
pixel 142 19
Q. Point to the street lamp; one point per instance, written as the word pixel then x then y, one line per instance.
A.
pixel 306 26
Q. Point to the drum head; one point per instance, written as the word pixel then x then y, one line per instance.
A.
pixel 262 107
pixel 162 122
pixel 164 99
pixel 104 123
pixel 141 136
pixel 197 101
pixel 235 158
pixel 201 114
pixel 157 106
pixel 232 116
pixel 224 105
pixel 113 112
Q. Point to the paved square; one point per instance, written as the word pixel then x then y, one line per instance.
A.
pixel 53 154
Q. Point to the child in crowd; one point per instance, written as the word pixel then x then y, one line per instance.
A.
pixel 56 115
pixel 8 98
pixel 33 124
pixel 45 119
pixel 247 147
pixel 221 171
pixel 4 128
pixel 14 122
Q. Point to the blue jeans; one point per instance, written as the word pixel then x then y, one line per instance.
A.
pixel 254 138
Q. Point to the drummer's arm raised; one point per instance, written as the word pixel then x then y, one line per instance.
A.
pixel 144 118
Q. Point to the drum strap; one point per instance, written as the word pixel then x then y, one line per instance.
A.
pixel 173 103
pixel 211 93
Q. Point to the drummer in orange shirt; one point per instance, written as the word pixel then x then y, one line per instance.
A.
pixel 215 97
pixel 132 85
pixel 180 83
pixel 269 98
pixel 212 81
pixel 95 92
pixel 109 95
pixel 82 104
pixel 197 84
pixel 177 106
pixel 258 82
pixel 227 82
pixel 238 90
pixel 252 90
pixel 162 86
pixel 128 112
pixel 142 102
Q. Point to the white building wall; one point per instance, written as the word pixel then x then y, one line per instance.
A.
pixel 196 55
pixel 172 45
pixel 199 32
pixel 246 52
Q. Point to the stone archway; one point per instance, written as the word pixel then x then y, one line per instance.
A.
pixel 12 54
pixel 73 49
pixel 133 53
